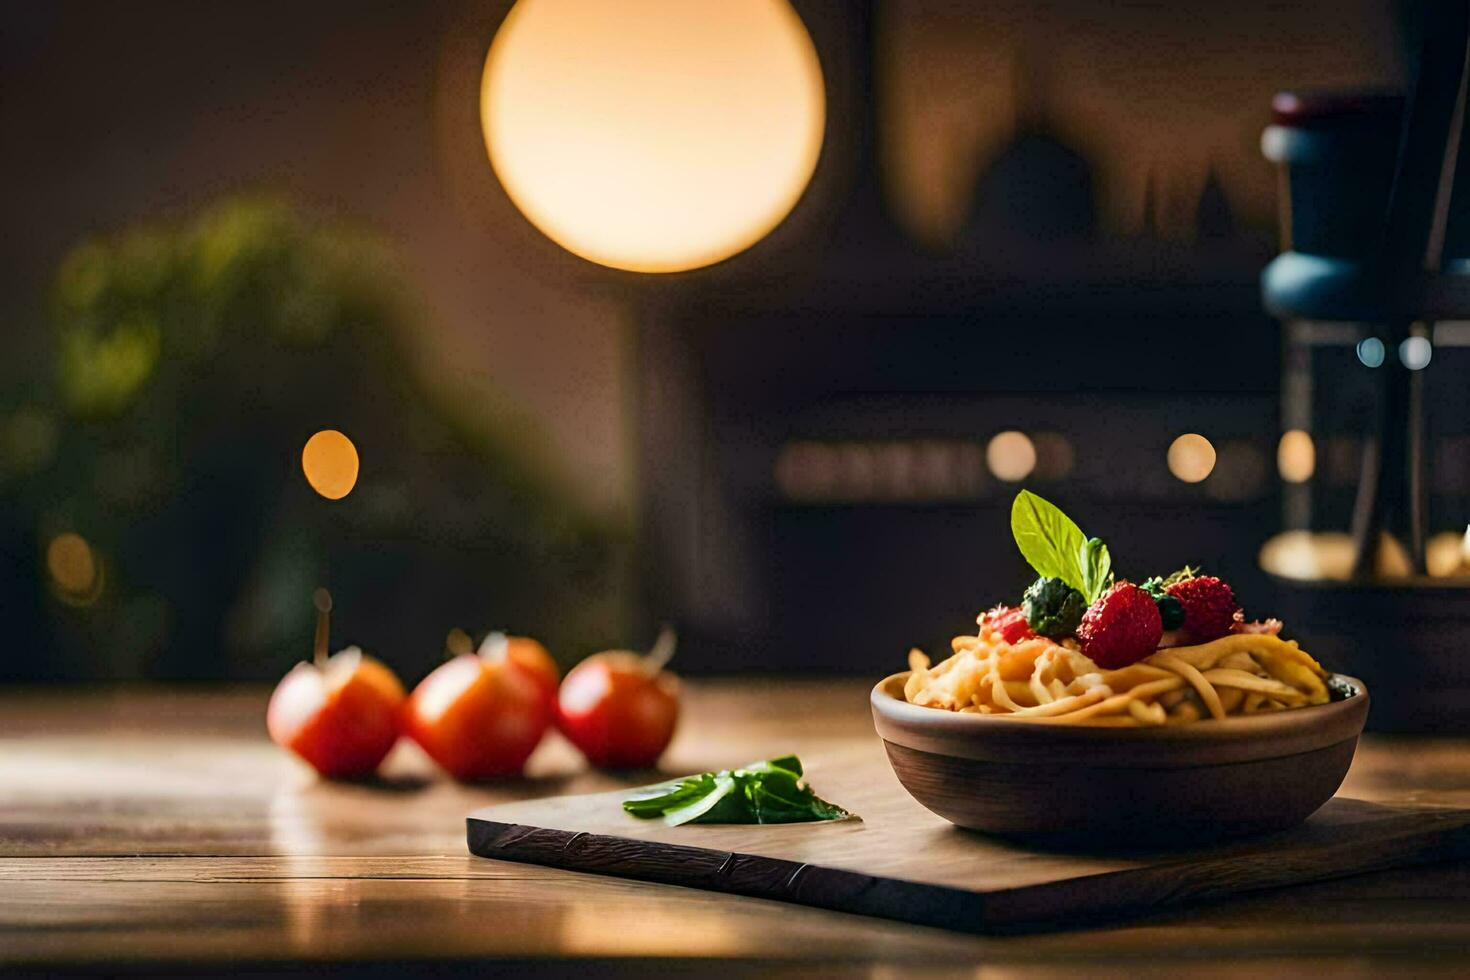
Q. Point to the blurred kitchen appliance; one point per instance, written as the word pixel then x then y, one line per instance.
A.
pixel 1376 304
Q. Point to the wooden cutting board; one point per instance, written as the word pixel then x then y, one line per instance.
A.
pixel 899 861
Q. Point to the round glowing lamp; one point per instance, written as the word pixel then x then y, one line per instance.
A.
pixel 653 135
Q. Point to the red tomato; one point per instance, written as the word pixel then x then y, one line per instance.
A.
pixel 477 716
pixel 616 712
pixel 341 718
pixel 534 658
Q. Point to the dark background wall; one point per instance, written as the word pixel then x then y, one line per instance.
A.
pixel 366 112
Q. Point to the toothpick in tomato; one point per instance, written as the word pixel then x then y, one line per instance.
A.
pixel 480 715
pixel 339 713
pixel 620 708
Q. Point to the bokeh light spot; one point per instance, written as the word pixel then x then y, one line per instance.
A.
pixel 1316 555
pixel 73 567
pixel 1011 456
pixel 653 135
pixel 1296 456
pixel 1191 457
pixel 858 466
pixel 1448 553
pixel 330 463
pixel 1371 352
pixel 1415 352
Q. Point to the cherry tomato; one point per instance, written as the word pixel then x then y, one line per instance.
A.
pixel 341 717
pixel 534 658
pixel 617 711
pixel 479 716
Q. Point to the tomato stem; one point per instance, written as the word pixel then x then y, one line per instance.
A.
pixel 495 647
pixel 662 652
pixel 322 599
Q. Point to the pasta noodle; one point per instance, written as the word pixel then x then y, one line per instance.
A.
pixel 1038 679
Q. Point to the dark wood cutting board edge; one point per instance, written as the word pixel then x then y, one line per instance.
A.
pixel 1409 838
pixel 729 871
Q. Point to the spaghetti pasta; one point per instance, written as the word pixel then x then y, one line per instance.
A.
pixel 1038 679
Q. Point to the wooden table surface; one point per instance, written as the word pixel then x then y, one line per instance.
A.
pixel 155 829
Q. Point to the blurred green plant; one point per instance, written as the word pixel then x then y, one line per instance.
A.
pixel 193 361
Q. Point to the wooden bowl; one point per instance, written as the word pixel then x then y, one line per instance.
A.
pixel 1135 787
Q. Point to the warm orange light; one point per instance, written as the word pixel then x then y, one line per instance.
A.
pixel 1011 456
pixel 653 135
pixel 1191 457
pixel 1296 456
pixel 330 463
pixel 1448 553
pixel 1329 555
pixel 74 568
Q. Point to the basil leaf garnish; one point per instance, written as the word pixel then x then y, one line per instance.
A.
pixel 772 791
pixel 701 805
pixel 1053 544
pixel 654 801
pixel 1097 569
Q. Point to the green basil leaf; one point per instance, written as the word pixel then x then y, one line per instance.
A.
pixel 655 801
pixel 781 796
pixel 772 806
pixel 789 763
pixel 789 804
pixel 732 807
pixel 823 810
pixel 772 791
pixel 1050 541
pixel 775 792
pixel 1097 569
pixel 663 790
pixel 724 785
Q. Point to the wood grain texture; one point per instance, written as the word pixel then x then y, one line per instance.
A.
pixel 902 862
pixel 145 829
